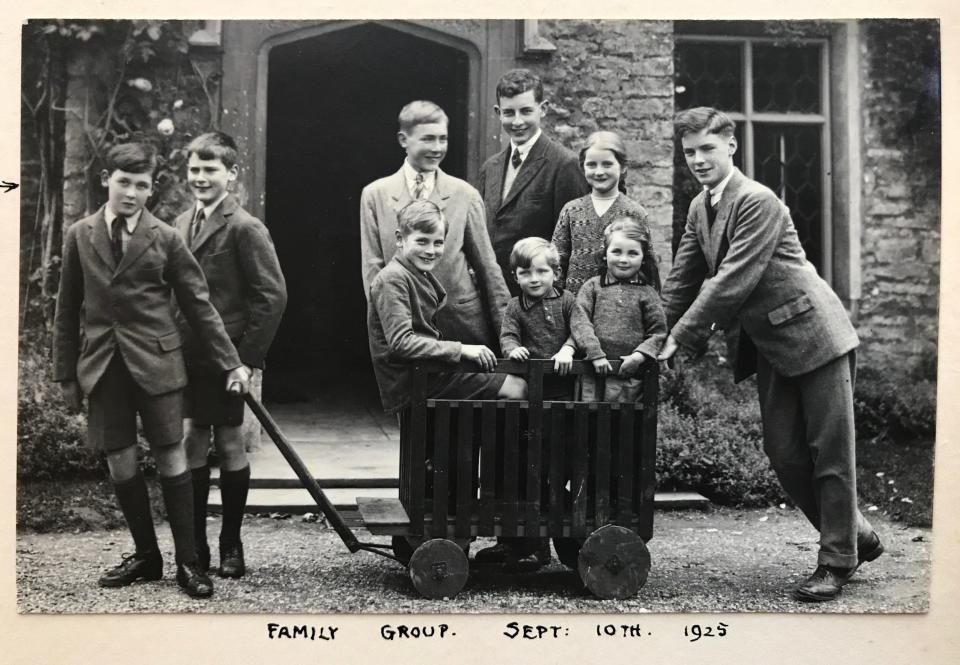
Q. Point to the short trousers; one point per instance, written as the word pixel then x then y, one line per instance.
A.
pixel 617 389
pixel 113 407
pixel 469 385
pixel 207 402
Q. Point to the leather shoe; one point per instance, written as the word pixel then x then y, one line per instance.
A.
pixel 825 584
pixel 133 567
pixel 869 550
pixel 193 580
pixel 231 560
pixel 203 556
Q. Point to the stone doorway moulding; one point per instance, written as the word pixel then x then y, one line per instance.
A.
pixel 490 47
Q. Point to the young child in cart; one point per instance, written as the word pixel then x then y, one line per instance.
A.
pixel 404 299
pixel 622 311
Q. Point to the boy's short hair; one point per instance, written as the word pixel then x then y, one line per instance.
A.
pixel 527 249
pixel 695 120
pixel 518 81
pixel 215 145
pixel 132 158
pixel 420 215
pixel 420 112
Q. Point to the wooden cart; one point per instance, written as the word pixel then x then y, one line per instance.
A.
pixel 577 472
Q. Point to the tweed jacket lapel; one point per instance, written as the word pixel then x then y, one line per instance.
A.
pixel 498 168
pixel 216 222
pixel 715 238
pixel 142 237
pixel 536 159
pixel 399 194
pixel 100 239
pixel 440 193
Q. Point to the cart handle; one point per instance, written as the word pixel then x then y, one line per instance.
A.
pixel 309 482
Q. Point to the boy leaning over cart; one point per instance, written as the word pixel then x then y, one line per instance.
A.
pixel 403 302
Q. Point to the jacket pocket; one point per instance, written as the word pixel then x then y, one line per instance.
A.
pixel 789 310
pixel 469 298
pixel 169 342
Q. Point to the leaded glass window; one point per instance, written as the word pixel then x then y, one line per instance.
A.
pixel 777 95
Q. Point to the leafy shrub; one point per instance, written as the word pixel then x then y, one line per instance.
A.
pixel 902 406
pixel 719 455
pixel 51 442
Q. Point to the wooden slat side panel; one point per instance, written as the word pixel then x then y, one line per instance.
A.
pixel 556 447
pixel 648 449
pixel 488 468
pixel 579 469
pixel 534 443
pixel 466 487
pixel 511 469
pixel 418 457
pixel 625 466
pixel 440 462
pixel 602 480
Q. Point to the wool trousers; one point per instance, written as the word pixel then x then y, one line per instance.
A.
pixel 809 437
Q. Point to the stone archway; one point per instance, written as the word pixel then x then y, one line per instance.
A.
pixel 332 103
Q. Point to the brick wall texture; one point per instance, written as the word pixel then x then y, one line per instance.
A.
pixel 901 192
pixel 618 75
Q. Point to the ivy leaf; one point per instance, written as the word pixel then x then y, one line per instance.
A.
pixel 153 32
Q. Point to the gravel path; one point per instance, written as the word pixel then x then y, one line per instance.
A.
pixel 722 560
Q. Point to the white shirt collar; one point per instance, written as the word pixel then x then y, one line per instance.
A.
pixel 525 147
pixel 717 191
pixel 209 209
pixel 132 221
pixel 410 175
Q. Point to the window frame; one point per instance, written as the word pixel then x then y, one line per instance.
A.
pixel 747 118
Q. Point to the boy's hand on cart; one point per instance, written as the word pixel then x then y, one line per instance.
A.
pixel 238 380
pixel 601 366
pixel 563 360
pixel 72 396
pixel 520 353
pixel 481 355
pixel 632 364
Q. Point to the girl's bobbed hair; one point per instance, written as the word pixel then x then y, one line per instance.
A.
pixel 634 229
pixel 606 140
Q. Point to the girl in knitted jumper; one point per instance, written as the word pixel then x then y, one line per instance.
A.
pixel 623 310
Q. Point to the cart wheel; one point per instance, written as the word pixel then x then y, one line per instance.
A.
pixel 403 547
pixel 439 569
pixel 614 562
pixel 568 550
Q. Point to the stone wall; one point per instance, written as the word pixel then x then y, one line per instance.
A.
pixel 901 192
pixel 618 75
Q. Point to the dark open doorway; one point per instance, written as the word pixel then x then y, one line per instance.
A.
pixel 332 105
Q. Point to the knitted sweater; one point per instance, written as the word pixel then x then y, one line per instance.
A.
pixel 622 317
pixel 542 326
pixel 578 237
pixel 401 326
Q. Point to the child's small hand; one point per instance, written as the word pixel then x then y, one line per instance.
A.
pixel 563 360
pixel 601 366
pixel 479 354
pixel 520 353
pixel 631 364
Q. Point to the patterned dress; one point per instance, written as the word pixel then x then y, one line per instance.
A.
pixel 579 237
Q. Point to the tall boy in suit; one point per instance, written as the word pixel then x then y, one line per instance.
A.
pixel 787 325
pixel 468 271
pixel 247 288
pixel 526 184
pixel 524 188
pixel 116 340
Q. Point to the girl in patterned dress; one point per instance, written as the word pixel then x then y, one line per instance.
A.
pixel 578 235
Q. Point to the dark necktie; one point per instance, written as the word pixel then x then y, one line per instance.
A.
pixel 711 211
pixel 515 158
pixel 418 187
pixel 197 225
pixel 116 237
